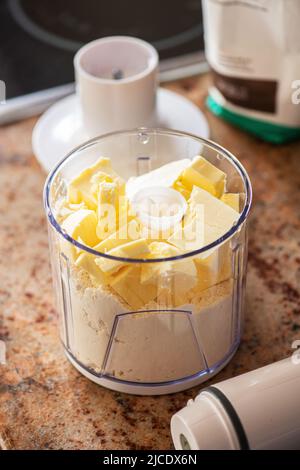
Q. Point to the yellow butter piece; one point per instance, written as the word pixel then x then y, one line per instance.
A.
pixel 107 209
pixel 82 187
pixel 79 250
pixel 98 178
pixel 103 167
pixel 161 249
pixel 184 278
pixel 189 236
pixel 232 200
pixel 173 278
pixel 211 217
pixel 134 249
pixel 128 286
pixel 225 262
pixel 86 261
pixel 203 174
pixel 82 224
pixel 110 176
pixel 77 207
pixel 218 216
pixel 126 212
pixel 215 268
pixel 108 193
pixel 170 298
pixel 71 251
pixel 158 249
pixel 122 285
pixel 67 209
pixel 214 177
pixel 125 234
pixel 103 163
pixel 165 175
pixel 207 272
pixel 179 186
pixel 79 190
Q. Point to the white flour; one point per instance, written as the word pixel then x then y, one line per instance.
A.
pixel 151 346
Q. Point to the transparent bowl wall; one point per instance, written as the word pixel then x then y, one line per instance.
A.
pixel 176 333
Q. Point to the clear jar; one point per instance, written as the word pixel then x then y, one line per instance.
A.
pixel 179 332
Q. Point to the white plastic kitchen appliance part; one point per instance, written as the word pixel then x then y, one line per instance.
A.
pixel 158 207
pixel 116 80
pixel 256 410
pixel 60 128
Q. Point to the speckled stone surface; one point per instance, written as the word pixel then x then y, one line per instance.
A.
pixel 44 402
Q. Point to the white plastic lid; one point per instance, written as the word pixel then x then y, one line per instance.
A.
pixel 158 207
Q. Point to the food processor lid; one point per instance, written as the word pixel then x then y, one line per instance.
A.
pixel 204 424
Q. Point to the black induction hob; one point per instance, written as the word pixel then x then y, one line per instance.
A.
pixel 38 39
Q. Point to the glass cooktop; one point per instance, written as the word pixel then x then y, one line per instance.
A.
pixel 39 38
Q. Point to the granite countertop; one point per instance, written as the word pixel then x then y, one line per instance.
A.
pixel 44 402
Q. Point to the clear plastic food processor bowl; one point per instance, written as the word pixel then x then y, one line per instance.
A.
pixel 182 336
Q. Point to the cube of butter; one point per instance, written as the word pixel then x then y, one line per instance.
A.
pixel 215 218
pixel 134 249
pixel 203 174
pixel 98 178
pixel 107 211
pixel 232 200
pixel 125 234
pixel 174 278
pixel 82 224
pixel 127 284
pixel 79 189
pixel 86 261
pixel 215 268
pixel 179 186
pixel 82 187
